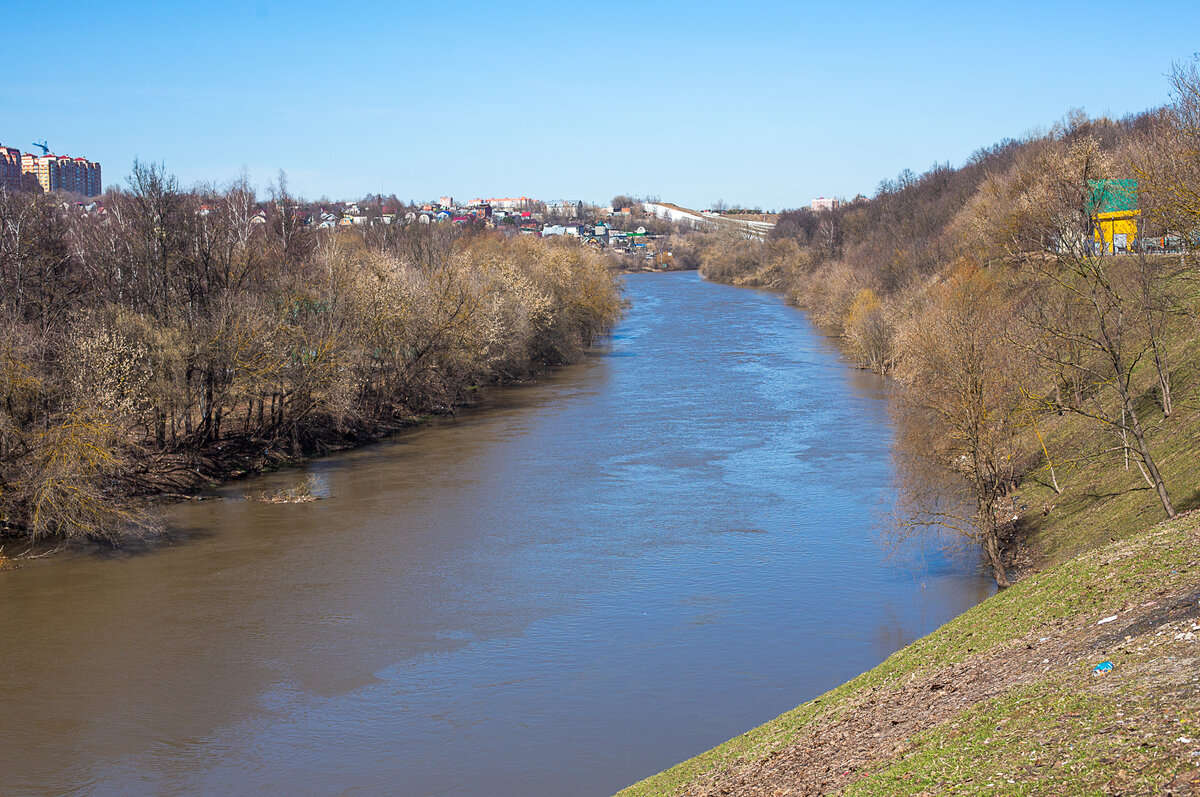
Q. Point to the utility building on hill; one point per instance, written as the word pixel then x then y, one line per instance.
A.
pixel 1115 215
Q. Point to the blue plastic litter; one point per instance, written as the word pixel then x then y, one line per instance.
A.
pixel 1102 667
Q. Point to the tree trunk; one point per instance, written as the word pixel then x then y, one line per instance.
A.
pixel 1135 427
pixel 1164 383
pixel 207 423
pixel 187 404
pixel 991 544
pixel 986 497
pixel 1046 451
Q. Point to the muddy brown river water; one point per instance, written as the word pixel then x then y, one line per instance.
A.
pixel 569 588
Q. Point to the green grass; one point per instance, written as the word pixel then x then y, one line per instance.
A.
pixel 1101 500
pixel 1048 738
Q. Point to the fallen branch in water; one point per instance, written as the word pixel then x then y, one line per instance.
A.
pixel 301 494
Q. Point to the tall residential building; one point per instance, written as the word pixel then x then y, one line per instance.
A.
pixel 10 168
pixel 821 203
pixel 62 173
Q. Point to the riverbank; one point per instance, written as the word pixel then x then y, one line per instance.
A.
pixel 1007 698
pixel 304 341
pixel 171 477
pixel 183 475
pixel 1003 699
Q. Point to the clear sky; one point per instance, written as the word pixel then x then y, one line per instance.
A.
pixel 769 103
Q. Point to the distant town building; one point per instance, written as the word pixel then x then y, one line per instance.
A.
pixel 821 203
pixel 563 208
pixel 10 168
pixel 503 203
pixel 62 173
pixel 446 201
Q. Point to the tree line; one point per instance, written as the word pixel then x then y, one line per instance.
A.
pixel 989 291
pixel 182 334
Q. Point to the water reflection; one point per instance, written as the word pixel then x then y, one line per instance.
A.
pixel 588 580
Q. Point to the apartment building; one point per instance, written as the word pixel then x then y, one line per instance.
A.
pixel 10 168
pixel 63 173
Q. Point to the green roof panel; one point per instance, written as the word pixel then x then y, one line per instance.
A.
pixel 1111 196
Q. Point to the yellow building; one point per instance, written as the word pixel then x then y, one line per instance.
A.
pixel 1116 231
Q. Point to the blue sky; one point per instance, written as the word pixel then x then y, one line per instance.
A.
pixel 767 104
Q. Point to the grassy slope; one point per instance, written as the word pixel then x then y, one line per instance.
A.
pixel 1100 500
pixel 1030 712
pixel 1048 728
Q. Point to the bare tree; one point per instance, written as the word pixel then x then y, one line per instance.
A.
pixel 960 369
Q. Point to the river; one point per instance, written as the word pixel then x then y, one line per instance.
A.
pixel 569 588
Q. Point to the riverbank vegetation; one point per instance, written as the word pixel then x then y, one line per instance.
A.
pixel 185 336
pixel 1055 356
